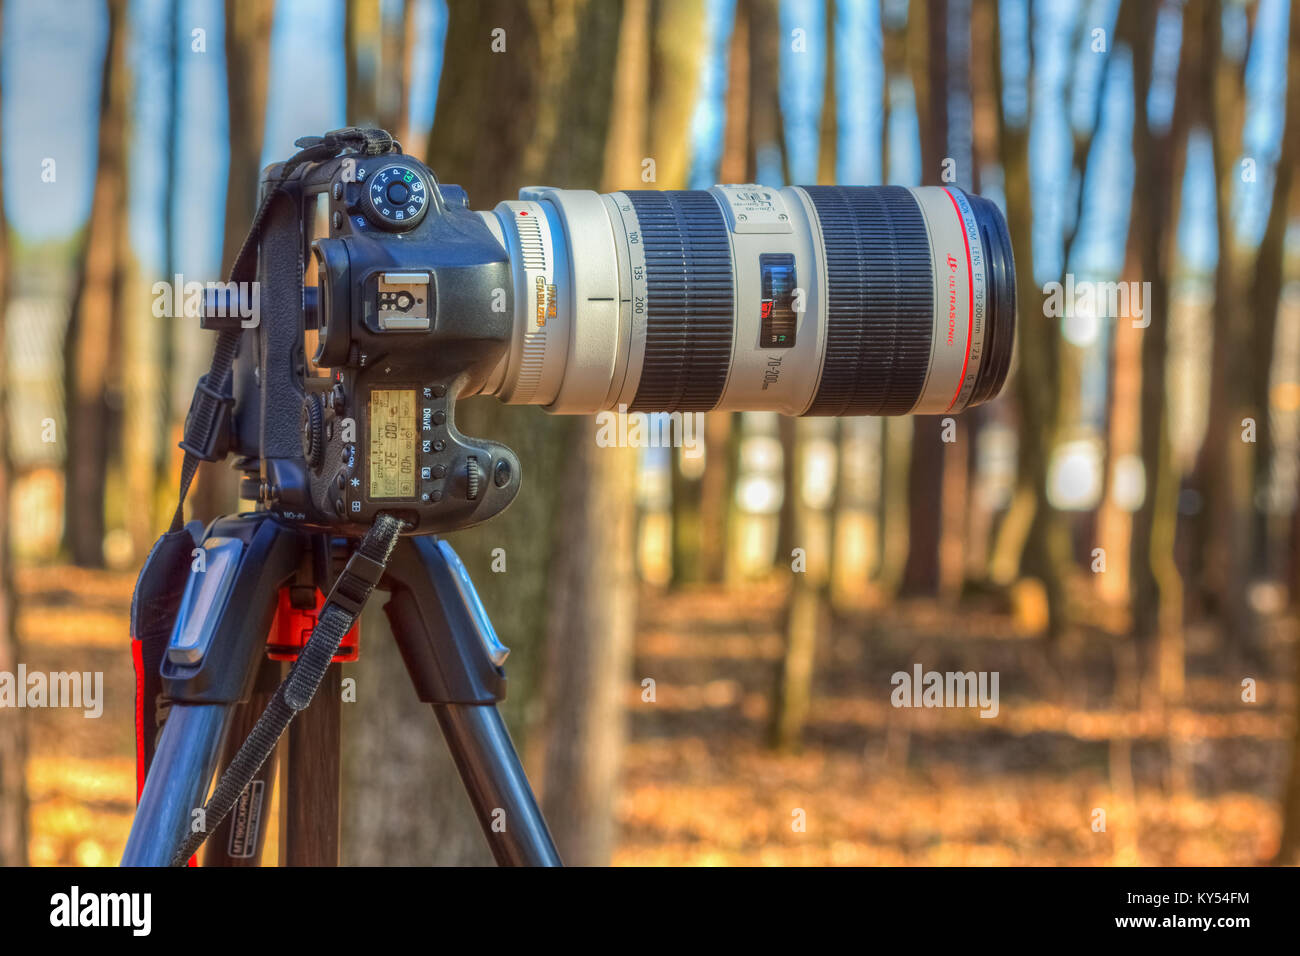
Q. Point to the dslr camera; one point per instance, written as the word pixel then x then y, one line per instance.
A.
pixel 385 299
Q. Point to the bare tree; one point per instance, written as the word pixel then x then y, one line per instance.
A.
pixel 1222 553
pixel 556 566
pixel 1156 581
pixel 592 611
pixel 807 610
pixel 247 48
pixel 927 33
pixel 361 25
pixel 1033 536
pixel 94 326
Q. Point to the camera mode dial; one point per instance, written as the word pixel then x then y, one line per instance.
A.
pixel 397 197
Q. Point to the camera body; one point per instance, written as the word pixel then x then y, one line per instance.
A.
pixel 412 308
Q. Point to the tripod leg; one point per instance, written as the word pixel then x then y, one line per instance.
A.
pixel 209 667
pixel 454 659
pixel 497 786
pixel 309 802
pixel 241 838
pixel 178 780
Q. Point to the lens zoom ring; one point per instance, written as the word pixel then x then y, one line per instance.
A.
pixel 880 316
pixel 690 305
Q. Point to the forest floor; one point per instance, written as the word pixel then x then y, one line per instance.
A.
pixel 875 784
pixel 872 784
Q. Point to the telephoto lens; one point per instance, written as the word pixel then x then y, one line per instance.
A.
pixel 807 300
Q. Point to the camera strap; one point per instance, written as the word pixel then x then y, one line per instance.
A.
pixel 342 607
pixel 208 420
pixel 158 590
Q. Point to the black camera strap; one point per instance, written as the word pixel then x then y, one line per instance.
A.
pixel 157 595
pixel 209 414
pixel 342 607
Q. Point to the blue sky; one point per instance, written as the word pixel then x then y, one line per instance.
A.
pixel 52 55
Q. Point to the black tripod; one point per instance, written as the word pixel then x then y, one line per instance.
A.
pixel 253 564
pixel 204 604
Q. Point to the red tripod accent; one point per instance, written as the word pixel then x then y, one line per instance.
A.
pixel 292 627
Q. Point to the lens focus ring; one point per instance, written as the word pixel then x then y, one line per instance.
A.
pixel 880 315
pixel 690 301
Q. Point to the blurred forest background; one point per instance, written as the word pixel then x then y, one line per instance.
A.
pixel 1117 535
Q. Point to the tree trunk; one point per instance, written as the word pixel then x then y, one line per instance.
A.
pixel 481 145
pixel 361 22
pixel 1264 296
pixel 736 155
pixel 687 539
pixel 394 33
pixel 1031 535
pixel 807 610
pixel 715 495
pixel 248 38
pixel 592 619
pixel 164 451
pixel 892 513
pixel 766 127
pixel 927 29
pixel 90 378
pixel 1221 552
pixel 1114 520
pixel 1157 584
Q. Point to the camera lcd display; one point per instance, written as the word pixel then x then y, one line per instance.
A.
pixel 392 443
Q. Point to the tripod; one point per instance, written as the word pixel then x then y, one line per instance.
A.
pixel 255 570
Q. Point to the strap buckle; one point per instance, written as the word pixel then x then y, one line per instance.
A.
pixel 354 584
pixel 209 416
